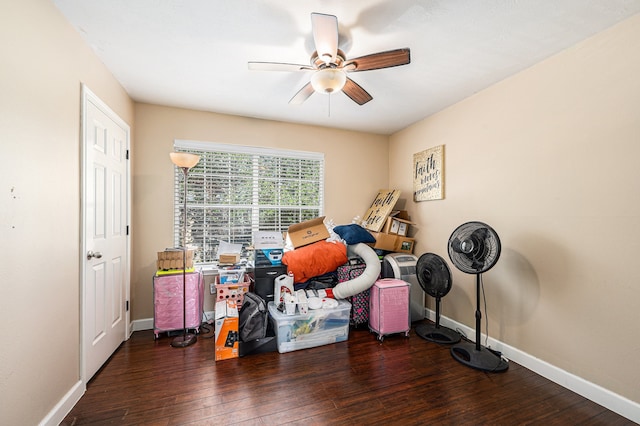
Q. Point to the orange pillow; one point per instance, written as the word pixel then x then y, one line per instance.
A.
pixel 315 259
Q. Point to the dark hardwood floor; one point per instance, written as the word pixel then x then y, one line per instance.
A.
pixel 362 381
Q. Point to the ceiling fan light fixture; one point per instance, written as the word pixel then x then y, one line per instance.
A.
pixel 328 80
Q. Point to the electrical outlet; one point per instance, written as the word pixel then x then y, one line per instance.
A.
pixel 212 288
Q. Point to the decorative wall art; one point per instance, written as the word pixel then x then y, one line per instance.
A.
pixel 376 215
pixel 428 174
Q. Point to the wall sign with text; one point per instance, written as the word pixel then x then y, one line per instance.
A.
pixel 376 216
pixel 428 174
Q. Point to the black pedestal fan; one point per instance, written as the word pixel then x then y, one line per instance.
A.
pixel 434 277
pixel 474 248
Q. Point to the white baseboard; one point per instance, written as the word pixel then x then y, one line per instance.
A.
pixel 64 406
pixel 610 400
pixel 141 324
pixel 209 316
pixel 147 323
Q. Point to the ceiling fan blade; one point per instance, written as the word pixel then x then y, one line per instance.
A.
pixel 277 66
pixel 356 92
pixel 302 95
pixel 376 61
pixel 325 36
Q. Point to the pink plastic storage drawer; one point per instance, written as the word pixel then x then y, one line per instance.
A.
pixel 389 307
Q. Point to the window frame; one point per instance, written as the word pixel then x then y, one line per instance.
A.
pixel 206 246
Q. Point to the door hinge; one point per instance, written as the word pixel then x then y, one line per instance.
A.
pixel 126 305
pixel 127 154
pixel 127 229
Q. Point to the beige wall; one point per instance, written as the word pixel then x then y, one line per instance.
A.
pixel 549 158
pixel 42 64
pixel 546 157
pixel 355 163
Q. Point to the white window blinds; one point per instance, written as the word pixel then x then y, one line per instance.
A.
pixel 236 190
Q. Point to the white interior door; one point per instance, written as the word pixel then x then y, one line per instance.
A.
pixel 105 286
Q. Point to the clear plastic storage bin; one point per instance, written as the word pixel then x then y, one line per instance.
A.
pixel 316 328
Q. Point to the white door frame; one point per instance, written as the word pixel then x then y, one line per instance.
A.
pixel 87 95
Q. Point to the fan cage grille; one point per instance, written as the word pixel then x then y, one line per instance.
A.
pixel 433 274
pixel 474 247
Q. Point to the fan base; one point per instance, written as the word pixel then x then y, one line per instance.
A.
pixel 442 335
pixel 184 340
pixel 483 359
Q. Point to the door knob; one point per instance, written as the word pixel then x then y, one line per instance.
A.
pixel 91 254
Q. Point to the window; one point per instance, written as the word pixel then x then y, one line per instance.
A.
pixel 236 190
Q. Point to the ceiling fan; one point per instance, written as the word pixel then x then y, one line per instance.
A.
pixel 330 65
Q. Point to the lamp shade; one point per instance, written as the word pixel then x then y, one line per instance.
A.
pixel 328 80
pixel 184 159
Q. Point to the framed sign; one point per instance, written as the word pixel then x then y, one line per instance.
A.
pixel 428 174
pixel 376 216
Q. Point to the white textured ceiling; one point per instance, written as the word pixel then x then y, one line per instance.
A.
pixel 194 53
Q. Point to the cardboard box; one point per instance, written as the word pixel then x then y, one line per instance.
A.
pixel 267 240
pixel 229 258
pixel 397 226
pixel 174 259
pixel 384 241
pixel 308 232
pixel 392 242
pixel 400 214
pixel 226 334
pixel 268 248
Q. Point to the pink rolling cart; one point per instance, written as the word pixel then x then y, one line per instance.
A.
pixel 167 302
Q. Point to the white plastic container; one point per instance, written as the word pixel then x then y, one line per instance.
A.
pixel 281 285
pixel 301 298
pixel 289 303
